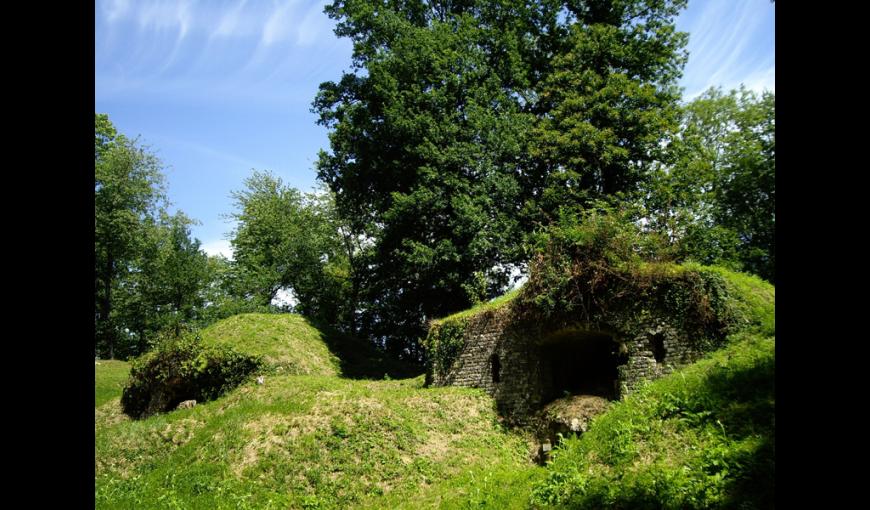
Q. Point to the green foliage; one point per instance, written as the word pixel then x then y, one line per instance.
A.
pixel 601 265
pixel 700 438
pixel 128 187
pixel 609 103
pixel 149 273
pixel 287 240
pixel 180 369
pixel 443 343
pixel 717 198
pixel 165 286
pixel 466 125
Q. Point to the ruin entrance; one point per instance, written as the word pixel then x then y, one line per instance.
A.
pixel 576 362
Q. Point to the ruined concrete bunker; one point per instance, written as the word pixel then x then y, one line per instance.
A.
pixel 525 360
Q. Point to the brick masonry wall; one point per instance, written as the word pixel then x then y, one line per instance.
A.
pixel 520 389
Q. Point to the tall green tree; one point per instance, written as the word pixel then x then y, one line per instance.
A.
pixel 608 105
pixel 179 274
pixel 289 240
pixel 464 126
pixel 128 188
pixel 718 198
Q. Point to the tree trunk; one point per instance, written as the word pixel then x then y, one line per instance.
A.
pixel 354 300
pixel 142 344
pixel 108 332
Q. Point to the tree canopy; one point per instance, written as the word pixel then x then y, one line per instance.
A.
pixel 149 274
pixel 465 126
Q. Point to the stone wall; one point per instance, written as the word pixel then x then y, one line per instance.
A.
pixel 520 389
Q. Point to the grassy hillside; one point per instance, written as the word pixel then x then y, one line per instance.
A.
pixel 306 442
pixel 109 379
pixel 286 341
pixel 703 437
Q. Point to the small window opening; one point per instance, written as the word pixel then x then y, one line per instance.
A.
pixel 496 368
pixel 657 342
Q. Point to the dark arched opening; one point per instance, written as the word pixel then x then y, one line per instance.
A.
pixel 496 368
pixel 657 345
pixel 580 363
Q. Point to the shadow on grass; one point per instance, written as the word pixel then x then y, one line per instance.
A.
pixel 748 400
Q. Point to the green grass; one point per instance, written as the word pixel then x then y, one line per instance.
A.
pixel 109 379
pixel 310 442
pixel 483 307
pixel 754 299
pixel 286 341
pixel 700 438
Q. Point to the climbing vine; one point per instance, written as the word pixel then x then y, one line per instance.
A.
pixel 444 343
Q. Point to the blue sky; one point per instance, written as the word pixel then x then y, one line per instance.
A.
pixel 218 88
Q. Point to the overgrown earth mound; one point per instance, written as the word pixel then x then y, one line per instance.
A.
pixel 702 437
pixel 184 369
pixel 287 343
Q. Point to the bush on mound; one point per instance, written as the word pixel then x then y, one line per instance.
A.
pixel 184 369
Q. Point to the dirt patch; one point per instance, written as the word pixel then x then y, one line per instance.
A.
pixel 109 414
pixel 574 412
pixel 272 431
pixel 568 416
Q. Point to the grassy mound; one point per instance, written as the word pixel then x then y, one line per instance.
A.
pixel 184 369
pixel 700 438
pixel 287 342
pixel 109 379
pixel 312 442
pixel 291 344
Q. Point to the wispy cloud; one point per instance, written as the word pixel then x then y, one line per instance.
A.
pixel 232 22
pixel 250 48
pixel 280 24
pixel 243 165
pixel 729 43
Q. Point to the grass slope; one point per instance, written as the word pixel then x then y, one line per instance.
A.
pixel 309 442
pixel 700 438
pixel 286 341
pixel 109 379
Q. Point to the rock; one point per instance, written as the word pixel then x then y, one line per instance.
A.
pixel 572 415
pixel 187 404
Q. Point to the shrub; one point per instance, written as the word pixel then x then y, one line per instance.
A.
pixel 601 265
pixel 183 369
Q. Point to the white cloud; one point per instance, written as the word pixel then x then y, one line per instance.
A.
pixel 313 26
pixel 229 24
pixel 116 9
pixel 763 79
pixel 728 45
pixel 165 15
pixel 280 24
pixel 221 247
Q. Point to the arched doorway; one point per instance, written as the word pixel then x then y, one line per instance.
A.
pixel 578 362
